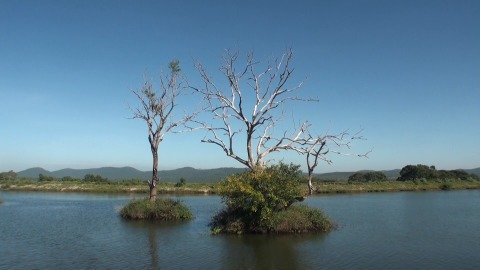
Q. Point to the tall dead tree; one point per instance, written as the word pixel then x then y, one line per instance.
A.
pixel 250 104
pixel 156 109
pixel 317 148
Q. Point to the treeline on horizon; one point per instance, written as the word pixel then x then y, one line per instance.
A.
pixel 407 173
pixel 415 173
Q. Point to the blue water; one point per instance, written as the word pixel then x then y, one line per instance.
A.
pixel 425 230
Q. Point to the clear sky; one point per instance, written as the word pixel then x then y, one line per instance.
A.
pixel 407 72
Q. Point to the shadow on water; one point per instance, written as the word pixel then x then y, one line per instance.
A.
pixel 266 251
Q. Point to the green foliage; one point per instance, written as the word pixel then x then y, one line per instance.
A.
pixel 423 172
pixel 174 66
pixel 161 209
pixel 94 178
pixel 254 199
pixel 367 177
pixel 10 175
pixel 301 218
pixel 412 172
pixel 181 183
pixel 44 178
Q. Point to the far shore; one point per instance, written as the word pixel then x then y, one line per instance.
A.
pixel 197 188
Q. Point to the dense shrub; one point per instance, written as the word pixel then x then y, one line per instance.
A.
pixel 259 202
pixel 162 209
pixel 423 172
pixel 367 177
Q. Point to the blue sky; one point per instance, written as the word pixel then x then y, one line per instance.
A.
pixel 407 72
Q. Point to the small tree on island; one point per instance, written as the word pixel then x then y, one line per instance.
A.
pixel 156 109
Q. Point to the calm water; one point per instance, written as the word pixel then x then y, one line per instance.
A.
pixel 430 230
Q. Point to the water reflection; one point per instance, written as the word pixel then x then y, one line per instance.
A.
pixel 150 232
pixel 266 251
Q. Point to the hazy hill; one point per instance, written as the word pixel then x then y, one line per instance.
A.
pixel 391 174
pixel 474 171
pixel 188 173
pixel 113 173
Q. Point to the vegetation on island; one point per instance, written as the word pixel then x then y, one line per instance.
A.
pixel 262 202
pixel 160 210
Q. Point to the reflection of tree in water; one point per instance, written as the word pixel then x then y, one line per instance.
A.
pixel 266 251
pixel 150 229
pixel 152 238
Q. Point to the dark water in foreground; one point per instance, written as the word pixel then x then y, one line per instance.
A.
pixel 431 230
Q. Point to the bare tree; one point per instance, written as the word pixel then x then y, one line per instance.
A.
pixel 317 148
pixel 251 105
pixel 156 109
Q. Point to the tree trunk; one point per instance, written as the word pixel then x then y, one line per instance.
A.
pixel 310 186
pixel 153 183
pixel 251 163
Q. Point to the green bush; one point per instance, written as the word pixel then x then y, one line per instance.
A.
pixel 301 218
pixel 424 172
pixel 181 183
pixel 162 209
pixel 45 178
pixel 257 201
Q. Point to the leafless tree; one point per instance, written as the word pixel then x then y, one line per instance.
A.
pixel 156 109
pixel 317 148
pixel 251 104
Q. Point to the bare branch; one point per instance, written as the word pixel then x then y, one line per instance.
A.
pixel 266 91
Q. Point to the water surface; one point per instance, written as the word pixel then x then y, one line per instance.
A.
pixel 434 230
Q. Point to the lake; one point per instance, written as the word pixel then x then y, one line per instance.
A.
pixel 423 230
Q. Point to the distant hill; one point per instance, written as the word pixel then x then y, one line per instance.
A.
pixel 474 171
pixel 113 173
pixel 190 174
pixel 391 174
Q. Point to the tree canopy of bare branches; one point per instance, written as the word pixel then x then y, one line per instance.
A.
pixel 317 148
pixel 156 109
pixel 250 104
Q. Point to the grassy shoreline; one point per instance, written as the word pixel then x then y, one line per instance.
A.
pixel 197 188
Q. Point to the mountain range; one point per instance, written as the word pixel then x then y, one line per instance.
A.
pixel 190 174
